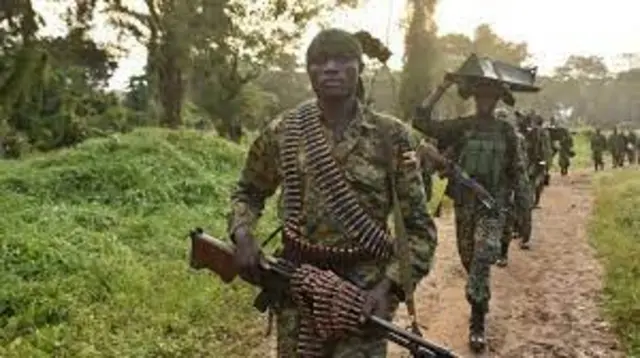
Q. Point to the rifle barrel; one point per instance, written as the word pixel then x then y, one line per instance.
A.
pixel 407 339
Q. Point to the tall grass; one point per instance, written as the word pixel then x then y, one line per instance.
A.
pixel 615 232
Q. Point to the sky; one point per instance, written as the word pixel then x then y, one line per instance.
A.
pixel 553 29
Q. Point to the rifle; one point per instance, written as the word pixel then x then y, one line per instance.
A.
pixel 215 255
pixel 453 172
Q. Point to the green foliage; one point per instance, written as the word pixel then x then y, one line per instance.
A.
pixel 614 229
pixel 213 49
pixel 93 250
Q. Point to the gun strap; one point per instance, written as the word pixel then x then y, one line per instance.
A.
pixel 402 241
pixel 370 238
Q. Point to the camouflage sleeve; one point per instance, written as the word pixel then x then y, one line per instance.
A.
pixel 446 132
pixel 518 171
pixel 426 167
pixel 547 148
pixel 420 228
pixel 258 181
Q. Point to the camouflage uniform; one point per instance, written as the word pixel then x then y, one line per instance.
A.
pixel 638 149
pixel 617 148
pixel 489 152
pixel 631 140
pixel 539 152
pixel 518 223
pixel 566 150
pixel 598 145
pixel 362 157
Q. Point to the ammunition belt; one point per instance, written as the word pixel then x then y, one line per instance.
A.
pixel 330 309
pixel 299 250
pixel 371 240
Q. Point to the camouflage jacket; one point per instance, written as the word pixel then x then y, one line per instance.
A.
pixel 513 179
pixel 617 143
pixel 366 166
pixel 598 142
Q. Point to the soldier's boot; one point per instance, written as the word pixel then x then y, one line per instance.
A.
pixel 538 194
pixel 503 259
pixel 525 245
pixel 477 338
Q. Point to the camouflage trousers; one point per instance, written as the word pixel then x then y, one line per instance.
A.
pixel 288 321
pixel 508 231
pixel 478 237
pixel 598 161
pixel 564 160
pixel 631 156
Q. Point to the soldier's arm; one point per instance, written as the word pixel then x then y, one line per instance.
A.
pixel 258 181
pixel 420 228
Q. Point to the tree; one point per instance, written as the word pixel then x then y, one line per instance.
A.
pixel 487 43
pixel 227 43
pixel 582 68
pixel 421 56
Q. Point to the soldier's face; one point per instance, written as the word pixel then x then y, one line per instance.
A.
pixel 486 98
pixel 334 76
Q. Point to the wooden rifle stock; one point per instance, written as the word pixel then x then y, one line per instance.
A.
pixel 208 252
pixel 212 254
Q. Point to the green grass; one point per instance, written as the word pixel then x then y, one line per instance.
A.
pixel 582 147
pixel 615 232
pixel 94 250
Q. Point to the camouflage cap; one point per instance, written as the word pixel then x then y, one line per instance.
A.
pixel 334 42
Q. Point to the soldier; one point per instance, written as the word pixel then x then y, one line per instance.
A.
pixel 338 161
pixel 487 149
pixel 555 147
pixel 637 148
pixel 631 140
pixel 539 154
pixel 566 149
pixel 598 145
pixel 617 148
pixel 515 225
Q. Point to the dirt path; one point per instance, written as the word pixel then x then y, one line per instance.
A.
pixel 545 303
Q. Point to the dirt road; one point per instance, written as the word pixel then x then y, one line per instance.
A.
pixel 545 303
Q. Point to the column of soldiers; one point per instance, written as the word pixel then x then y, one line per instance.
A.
pixel 345 168
pixel 623 146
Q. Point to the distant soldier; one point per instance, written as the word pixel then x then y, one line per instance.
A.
pixel 598 146
pixel 637 149
pixel 617 147
pixel 566 149
pixel 555 146
pixel 631 142
pixel 539 154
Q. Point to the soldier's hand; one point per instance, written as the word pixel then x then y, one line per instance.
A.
pixel 447 81
pixel 377 301
pixel 247 256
